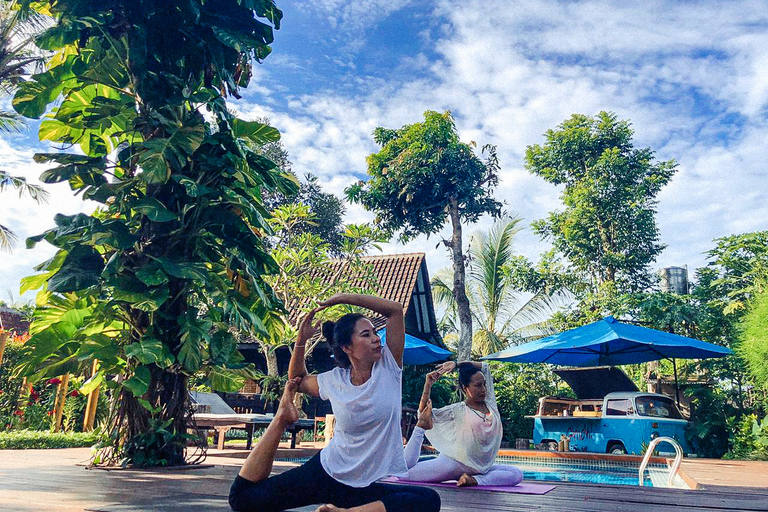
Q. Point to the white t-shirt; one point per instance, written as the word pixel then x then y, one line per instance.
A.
pixel 367 441
pixel 469 436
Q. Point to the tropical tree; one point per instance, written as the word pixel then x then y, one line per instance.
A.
pixel 18 28
pixel 502 316
pixel 607 230
pixel 16 59
pixel 150 284
pixel 753 346
pixel 423 176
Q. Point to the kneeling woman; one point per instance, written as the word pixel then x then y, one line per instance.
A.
pixel 467 434
pixel 366 396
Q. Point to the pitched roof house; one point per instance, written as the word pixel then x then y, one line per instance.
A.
pixel 403 278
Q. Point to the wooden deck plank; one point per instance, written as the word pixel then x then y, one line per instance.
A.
pixel 50 481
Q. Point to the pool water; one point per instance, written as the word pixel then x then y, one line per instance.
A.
pixel 604 472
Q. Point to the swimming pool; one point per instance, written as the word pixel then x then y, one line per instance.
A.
pixel 587 471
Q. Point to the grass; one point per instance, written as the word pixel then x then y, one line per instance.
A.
pixel 39 440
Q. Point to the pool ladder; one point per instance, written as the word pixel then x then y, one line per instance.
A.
pixel 675 465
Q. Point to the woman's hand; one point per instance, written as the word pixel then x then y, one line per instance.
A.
pixel 425 416
pixel 446 367
pixel 432 377
pixel 306 328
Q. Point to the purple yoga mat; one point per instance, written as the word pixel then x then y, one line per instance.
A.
pixel 521 488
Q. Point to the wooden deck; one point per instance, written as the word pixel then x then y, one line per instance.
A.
pixel 51 480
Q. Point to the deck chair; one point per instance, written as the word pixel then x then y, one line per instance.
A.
pixel 222 418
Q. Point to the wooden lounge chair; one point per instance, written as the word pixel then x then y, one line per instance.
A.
pixel 222 417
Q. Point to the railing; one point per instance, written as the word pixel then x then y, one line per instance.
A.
pixel 675 464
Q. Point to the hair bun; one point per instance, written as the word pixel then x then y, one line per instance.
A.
pixel 328 330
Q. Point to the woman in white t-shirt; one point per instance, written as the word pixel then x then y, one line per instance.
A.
pixel 466 434
pixel 365 391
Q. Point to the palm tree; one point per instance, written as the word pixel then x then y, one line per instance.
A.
pixel 18 54
pixel 17 31
pixel 501 314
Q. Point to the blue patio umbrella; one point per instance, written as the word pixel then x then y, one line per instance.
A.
pixel 419 351
pixel 610 342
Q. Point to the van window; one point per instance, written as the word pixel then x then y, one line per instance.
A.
pixel 657 407
pixel 618 408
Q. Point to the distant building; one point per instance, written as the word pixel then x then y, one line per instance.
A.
pixel 674 280
pixel 12 320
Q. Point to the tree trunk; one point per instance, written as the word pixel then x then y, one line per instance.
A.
pixel 146 445
pixel 459 284
pixel 271 357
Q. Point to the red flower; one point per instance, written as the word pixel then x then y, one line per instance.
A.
pixel 34 395
pixel 50 413
pixel 19 412
pixel 54 380
pixel 1 391
pixel 74 393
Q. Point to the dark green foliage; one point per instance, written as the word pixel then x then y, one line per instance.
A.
pixel 518 390
pixel 151 283
pixel 608 229
pixel 36 440
pixel 10 385
pixel 709 428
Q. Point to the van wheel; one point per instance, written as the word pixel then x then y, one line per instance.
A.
pixel 616 449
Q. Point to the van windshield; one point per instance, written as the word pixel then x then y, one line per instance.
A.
pixel 658 407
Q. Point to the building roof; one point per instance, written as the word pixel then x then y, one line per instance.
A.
pixel 12 320
pixel 395 275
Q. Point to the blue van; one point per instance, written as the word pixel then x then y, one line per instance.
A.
pixel 609 415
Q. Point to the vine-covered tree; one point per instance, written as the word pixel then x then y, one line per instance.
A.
pixel 608 229
pixel 423 176
pixel 150 284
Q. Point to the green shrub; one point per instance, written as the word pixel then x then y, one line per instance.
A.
pixel 35 440
pixel 749 438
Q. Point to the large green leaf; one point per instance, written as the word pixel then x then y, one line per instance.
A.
pixel 139 383
pixel 92 383
pixel 257 132
pixel 33 97
pixel 146 350
pixel 81 269
pixel 227 381
pixel 154 209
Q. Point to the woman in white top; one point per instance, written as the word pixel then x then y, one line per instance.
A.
pixel 365 391
pixel 466 434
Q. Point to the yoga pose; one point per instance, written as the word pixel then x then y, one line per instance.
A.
pixel 467 434
pixel 365 391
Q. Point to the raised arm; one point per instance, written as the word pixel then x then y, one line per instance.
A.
pixel 389 309
pixel 298 367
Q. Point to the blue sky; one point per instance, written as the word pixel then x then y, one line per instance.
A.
pixel 691 76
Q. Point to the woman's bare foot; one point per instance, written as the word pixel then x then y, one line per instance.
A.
pixel 425 417
pixel 466 480
pixel 287 413
pixel 329 508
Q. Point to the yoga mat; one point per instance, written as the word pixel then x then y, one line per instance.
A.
pixel 521 488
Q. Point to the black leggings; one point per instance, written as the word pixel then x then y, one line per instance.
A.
pixel 309 484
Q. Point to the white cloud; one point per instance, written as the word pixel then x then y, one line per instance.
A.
pixel 692 78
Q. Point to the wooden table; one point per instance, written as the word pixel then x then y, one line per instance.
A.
pixel 223 422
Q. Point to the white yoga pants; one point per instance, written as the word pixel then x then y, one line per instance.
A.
pixel 444 468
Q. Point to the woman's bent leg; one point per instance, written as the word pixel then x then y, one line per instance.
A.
pixel 500 474
pixel 305 485
pixel 439 469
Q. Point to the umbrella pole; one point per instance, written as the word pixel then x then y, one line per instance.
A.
pixel 677 388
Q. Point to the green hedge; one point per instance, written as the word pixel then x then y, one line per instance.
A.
pixel 33 439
